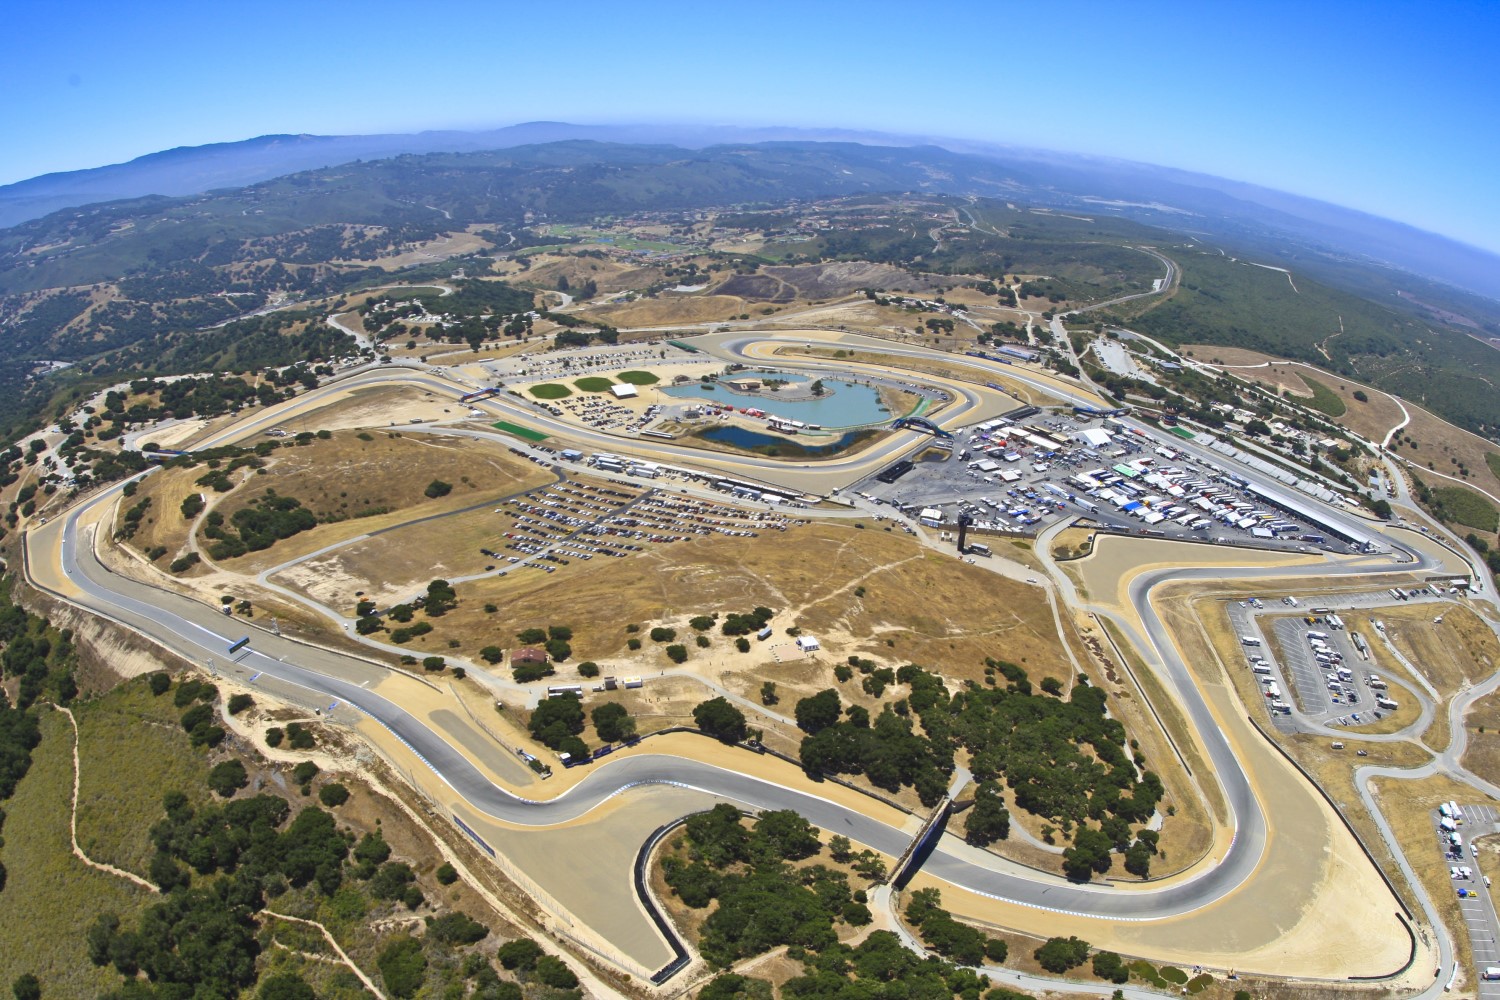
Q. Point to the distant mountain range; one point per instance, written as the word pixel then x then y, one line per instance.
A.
pixel 1175 199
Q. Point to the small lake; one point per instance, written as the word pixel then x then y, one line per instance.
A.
pixel 847 404
pixel 740 437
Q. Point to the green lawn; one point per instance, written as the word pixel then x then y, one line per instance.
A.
pixel 516 430
pixel 550 390
pixel 1472 510
pixel 1324 399
pixel 594 383
pixel 51 897
pixel 1492 459
pixel 638 378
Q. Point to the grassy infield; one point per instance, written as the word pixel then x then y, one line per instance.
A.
pixel 590 383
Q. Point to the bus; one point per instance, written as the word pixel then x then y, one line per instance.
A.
pixel 239 644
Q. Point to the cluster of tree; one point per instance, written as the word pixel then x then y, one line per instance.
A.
pixel 721 720
pixel 264 522
pixel 764 902
pixel 41 657
pixel 946 936
pixel 1063 759
pixel 555 639
pixel 886 750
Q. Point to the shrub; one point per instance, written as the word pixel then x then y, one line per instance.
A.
pixel 402 966
pixel 433 663
pixel 1107 965
pixel 333 795
pixel 588 668
pixel 677 653
pixel 228 777
pixel 718 718
pixel 663 634
pixel 239 702
pixel 304 772
pixel 456 928
pixel 159 683
pixel 1060 954
pixel 492 654
pixel 446 874
pixel 437 488
pixel 555 973
pixel 702 641
pixel 520 954
pixel 742 644
pixel 274 736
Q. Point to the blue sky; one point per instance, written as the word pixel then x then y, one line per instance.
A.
pixel 1387 107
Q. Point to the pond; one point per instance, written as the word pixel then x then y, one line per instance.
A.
pixel 739 437
pixel 847 403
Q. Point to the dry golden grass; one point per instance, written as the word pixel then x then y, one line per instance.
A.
pixel 1407 806
pixel 163 525
pixel 345 475
pixel 1460 650
pixel 917 606
pixel 1440 444
pixel 426 252
pixel 669 310
pixel 1443 448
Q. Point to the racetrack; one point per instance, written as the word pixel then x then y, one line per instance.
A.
pixel 61 559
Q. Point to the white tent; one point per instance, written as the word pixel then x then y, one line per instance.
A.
pixel 624 391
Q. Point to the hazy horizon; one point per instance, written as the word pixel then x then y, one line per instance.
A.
pixel 1383 110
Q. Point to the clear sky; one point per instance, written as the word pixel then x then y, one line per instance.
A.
pixel 1393 108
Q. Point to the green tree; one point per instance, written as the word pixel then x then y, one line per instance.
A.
pixel 818 712
pixel 677 653
pixel 26 987
pixel 333 795
pixel 1108 966
pixel 784 834
pixel 492 654
pixel 1059 954
pixel 554 972
pixel 402 966
pixel 519 955
pixel 612 722
pixel 285 986
pixel 437 488
pixel 987 820
pixel 227 777
pixel 718 718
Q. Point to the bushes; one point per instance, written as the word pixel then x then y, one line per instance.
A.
pixel 1060 954
pixel 718 718
pixel 227 777
pixel 402 966
pixel 677 653
pixel 663 634
pixel 238 703
pixel 437 488
pixel 333 795
pixel 1108 966
pixel 612 722
pixel 456 929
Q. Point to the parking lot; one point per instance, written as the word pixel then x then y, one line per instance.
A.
pixel 1474 902
pixel 1315 661
pixel 1022 475
pixel 573 521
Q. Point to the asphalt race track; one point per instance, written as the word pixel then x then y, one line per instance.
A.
pixel 197 631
